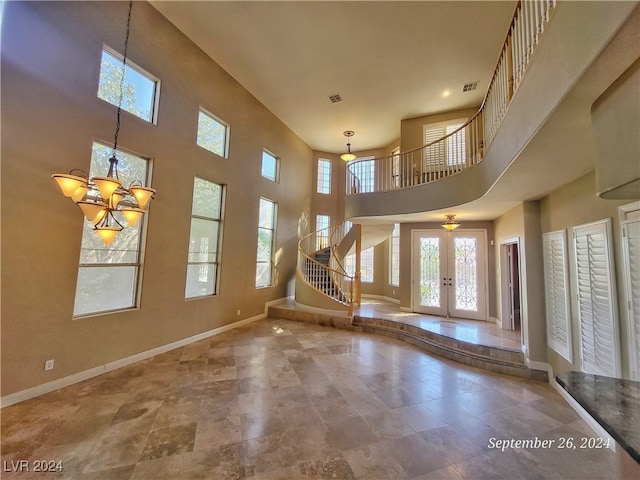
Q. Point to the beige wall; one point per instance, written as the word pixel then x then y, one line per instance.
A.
pixel 572 205
pixel 50 116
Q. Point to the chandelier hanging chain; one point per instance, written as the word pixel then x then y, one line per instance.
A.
pixel 113 161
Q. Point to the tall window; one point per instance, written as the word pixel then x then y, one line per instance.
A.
pixel 394 256
pixel 366 265
pixel 396 176
pixel 108 276
pixel 266 242
pixel 204 239
pixel 363 169
pixel 213 133
pixel 324 176
pixel 140 92
pixel 452 151
pixel 270 165
pixel 322 229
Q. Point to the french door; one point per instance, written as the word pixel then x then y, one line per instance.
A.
pixel 449 273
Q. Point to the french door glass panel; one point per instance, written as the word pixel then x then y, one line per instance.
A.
pixel 449 273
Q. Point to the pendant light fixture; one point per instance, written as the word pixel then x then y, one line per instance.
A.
pixel 348 156
pixel 450 223
pixel 100 198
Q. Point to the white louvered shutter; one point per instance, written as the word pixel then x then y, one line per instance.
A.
pixel 596 298
pixel 557 294
pixel 632 257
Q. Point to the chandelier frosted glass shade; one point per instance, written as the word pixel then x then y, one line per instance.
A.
pixel 108 234
pixel 69 184
pixel 450 223
pixel 348 156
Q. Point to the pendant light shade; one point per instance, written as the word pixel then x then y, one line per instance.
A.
pixel 348 156
pixel 106 185
pixel 108 234
pixel 92 210
pixel 69 183
pixel 450 223
pixel 132 215
pixel 142 195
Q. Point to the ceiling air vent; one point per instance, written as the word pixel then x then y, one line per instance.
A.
pixel 335 98
pixel 467 87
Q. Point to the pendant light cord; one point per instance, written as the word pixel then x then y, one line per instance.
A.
pixel 113 161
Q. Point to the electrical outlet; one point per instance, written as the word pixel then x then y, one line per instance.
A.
pixel 48 365
pixel 238 312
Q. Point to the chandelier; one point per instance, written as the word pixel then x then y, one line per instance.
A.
pixel 348 156
pixel 102 198
pixel 450 223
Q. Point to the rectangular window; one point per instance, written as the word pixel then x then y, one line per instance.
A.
pixel 556 283
pixel 140 89
pixel 363 179
pixel 366 265
pixel 394 257
pixel 450 152
pixel 597 299
pixel 396 176
pixel 213 133
pixel 270 166
pixel 108 275
pixel 204 239
pixel 266 242
pixel 322 229
pixel 324 176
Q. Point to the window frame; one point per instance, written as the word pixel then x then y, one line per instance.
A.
pixel 227 132
pixel 274 226
pixel 276 173
pixel 370 178
pixel 136 294
pixel 155 104
pixel 320 184
pixel 220 222
pixel 394 242
pixel 322 241
pixel 443 161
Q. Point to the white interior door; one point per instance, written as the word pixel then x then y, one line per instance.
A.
pixel 449 273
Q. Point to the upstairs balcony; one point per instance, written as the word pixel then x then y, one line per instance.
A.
pixel 543 88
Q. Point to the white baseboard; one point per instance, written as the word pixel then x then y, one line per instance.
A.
pixel 38 390
pixel 381 297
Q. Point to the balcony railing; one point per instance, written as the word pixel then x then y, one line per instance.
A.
pixel 465 146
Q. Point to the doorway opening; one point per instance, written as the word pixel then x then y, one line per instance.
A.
pixel 511 282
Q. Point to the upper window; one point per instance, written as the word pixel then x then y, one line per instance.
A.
pixel 108 275
pixel 270 164
pixel 204 239
pixel 452 151
pixel 366 265
pixel 324 176
pixel 395 168
pixel 266 242
pixel 322 231
pixel 213 133
pixel 139 88
pixel 394 257
pixel 363 178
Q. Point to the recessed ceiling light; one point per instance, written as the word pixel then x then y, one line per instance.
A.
pixel 446 93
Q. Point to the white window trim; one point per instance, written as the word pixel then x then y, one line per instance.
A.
pixel 323 160
pixel 276 178
pixel 391 237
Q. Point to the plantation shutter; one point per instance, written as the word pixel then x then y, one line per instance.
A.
pixel 435 154
pixel 597 308
pixel 451 152
pixel 557 294
pixel 632 255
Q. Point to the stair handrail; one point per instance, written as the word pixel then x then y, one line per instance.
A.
pixel 412 167
pixel 311 271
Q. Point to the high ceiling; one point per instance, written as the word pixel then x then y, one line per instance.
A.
pixel 387 60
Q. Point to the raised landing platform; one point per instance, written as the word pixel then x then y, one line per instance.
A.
pixel 473 343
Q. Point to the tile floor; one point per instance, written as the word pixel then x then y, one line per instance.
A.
pixel 286 400
pixel 472 331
